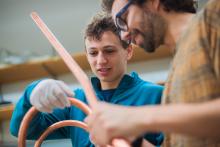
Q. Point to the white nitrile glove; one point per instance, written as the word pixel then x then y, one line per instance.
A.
pixel 50 94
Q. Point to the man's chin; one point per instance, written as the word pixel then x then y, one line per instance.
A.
pixel 104 78
pixel 148 49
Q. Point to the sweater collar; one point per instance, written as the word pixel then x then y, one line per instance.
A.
pixel 126 82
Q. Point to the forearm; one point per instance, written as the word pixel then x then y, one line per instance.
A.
pixel 20 110
pixel 201 120
pixel 17 117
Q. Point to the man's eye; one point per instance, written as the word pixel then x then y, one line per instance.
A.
pixel 110 51
pixel 93 53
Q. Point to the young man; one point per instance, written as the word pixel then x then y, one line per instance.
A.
pixel 107 56
pixel 192 92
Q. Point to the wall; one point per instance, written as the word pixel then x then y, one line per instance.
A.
pixel 66 19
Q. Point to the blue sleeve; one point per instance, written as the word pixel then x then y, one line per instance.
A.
pixel 155 92
pixel 41 121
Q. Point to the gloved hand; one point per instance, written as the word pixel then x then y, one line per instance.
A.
pixel 50 94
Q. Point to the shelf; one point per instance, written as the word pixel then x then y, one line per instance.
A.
pixel 6 112
pixel 55 66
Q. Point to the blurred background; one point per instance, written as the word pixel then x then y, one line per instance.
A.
pixel 20 36
pixel 22 44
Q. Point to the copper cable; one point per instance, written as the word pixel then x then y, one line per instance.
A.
pixel 73 123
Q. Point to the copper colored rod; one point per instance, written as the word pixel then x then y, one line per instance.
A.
pixel 73 123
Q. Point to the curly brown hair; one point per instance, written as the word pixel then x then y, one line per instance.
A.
pixel 100 23
pixel 169 5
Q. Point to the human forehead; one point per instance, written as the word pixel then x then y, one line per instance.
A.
pixel 117 6
pixel 107 39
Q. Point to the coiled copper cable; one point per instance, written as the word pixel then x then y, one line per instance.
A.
pixel 33 111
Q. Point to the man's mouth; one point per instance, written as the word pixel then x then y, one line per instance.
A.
pixel 103 71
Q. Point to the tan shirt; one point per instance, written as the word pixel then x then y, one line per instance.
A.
pixel 195 72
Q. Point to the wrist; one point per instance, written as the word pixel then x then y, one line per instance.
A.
pixel 28 92
pixel 148 119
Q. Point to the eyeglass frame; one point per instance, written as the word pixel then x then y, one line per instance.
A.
pixel 119 14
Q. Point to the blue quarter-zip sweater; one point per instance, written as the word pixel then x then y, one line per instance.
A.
pixel 132 91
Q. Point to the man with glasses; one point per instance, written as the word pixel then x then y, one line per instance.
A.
pixel 151 23
pixel 191 116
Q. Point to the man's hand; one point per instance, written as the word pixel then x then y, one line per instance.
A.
pixel 49 94
pixel 109 121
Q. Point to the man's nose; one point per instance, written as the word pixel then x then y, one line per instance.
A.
pixel 101 59
pixel 125 35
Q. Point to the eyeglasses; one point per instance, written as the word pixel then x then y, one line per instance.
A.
pixel 120 22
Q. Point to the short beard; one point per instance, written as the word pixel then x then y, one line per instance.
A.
pixel 154 28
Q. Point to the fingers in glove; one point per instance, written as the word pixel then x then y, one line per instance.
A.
pixel 68 93
pixel 52 97
pixel 44 104
pixel 66 89
pixel 61 97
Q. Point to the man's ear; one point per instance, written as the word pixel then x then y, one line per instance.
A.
pixel 130 52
